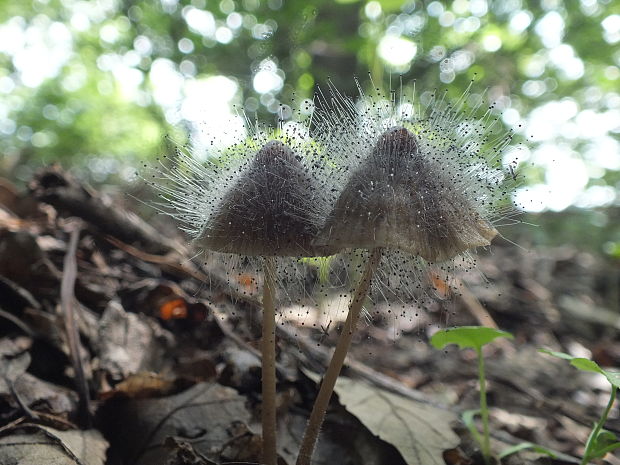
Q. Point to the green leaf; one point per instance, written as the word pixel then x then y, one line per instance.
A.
pixel 468 419
pixel 585 364
pixel 613 249
pixel 391 5
pixel 605 438
pixel 467 337
pixel 322 264
pixel 605 442
pixel 526 445
pixel 599 453
pixel 561 355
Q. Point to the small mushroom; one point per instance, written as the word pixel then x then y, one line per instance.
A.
pixel 253 203
pixel 267 211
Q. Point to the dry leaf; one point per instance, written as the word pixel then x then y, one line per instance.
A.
pixel 140 386
pixel 207 416
pixel 48 446
pixel 33 392
pixel 13 364
pixel 131 343
pixel 420 432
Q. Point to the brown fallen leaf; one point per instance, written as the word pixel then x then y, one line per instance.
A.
pixel 456 457
pixel 140 386
pixel 46 397
pixel 208 416
pixel 19 387
pixel 130 343
pixel 420 432
pixel 39 445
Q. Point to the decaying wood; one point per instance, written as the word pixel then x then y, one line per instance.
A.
pixel 63 192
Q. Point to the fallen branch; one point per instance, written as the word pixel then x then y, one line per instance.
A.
pixel 67 302
pixel 59 189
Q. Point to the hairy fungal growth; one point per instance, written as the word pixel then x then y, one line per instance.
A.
pixel 252 205
pixel 256 198
pixel 420 177
pixel 413 191
pixel 396 198
pixel 266 211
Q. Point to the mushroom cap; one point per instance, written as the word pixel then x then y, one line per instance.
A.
pixel 268 210
pixel 398 198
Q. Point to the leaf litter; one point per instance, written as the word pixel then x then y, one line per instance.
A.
pixel 171 380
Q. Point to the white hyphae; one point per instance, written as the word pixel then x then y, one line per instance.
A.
pixel 413 189
pixel 423 182
pixel 258 197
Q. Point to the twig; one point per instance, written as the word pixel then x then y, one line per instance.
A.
pixel 475 307
pixel 67 298
pixel 29 413
pixel 176 263
pixel 317 358
pixel 16 296
pixel 11 425
pixel 17 322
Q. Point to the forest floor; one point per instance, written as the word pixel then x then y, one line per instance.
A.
pixel 166 368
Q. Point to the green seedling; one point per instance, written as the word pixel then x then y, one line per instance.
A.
pixel 600 441
pixel 527 445
pixel 321 264
pixel 473 337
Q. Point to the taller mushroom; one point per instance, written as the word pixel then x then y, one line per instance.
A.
pixel 398 197
pixel 422 186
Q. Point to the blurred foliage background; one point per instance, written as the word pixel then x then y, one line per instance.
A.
pixel 96 85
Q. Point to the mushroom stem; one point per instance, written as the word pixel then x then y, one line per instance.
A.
pixel 268 346
pixel 335 365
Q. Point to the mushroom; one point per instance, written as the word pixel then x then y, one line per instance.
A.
pixel 419 187
pixel 256 199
